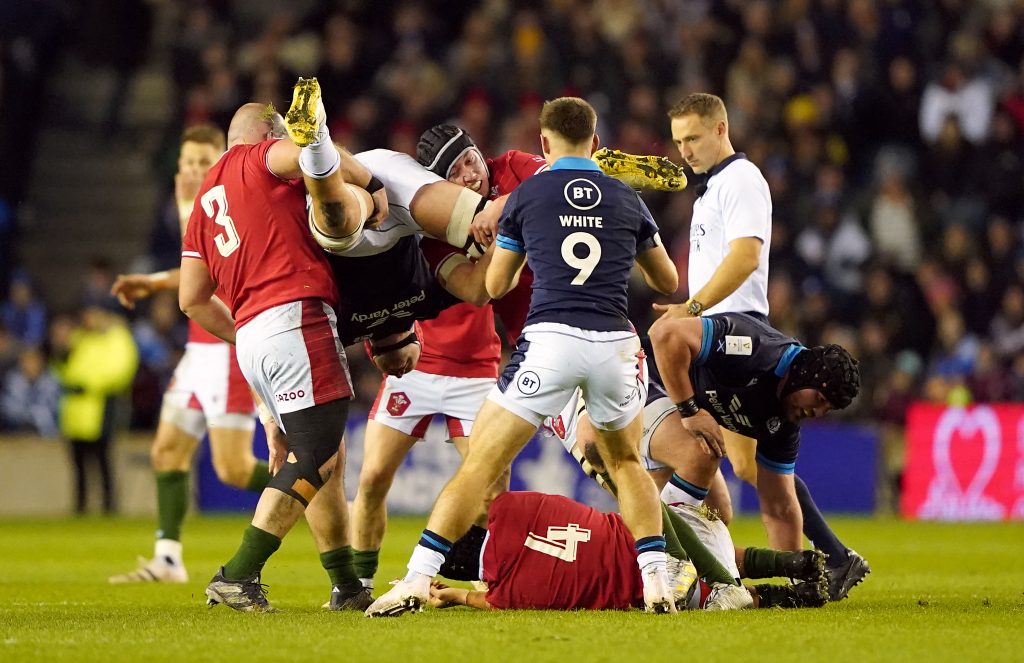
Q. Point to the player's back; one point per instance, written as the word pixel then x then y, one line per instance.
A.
pixel 549 552
pixel 250 227
pixel 581 231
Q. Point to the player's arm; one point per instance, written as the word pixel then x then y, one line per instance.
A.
pixel 658 269
pixel 130 288
pixel 466 279
pixel 442 596
pixel 446 211
pixel 677 344
pixel 503 272
pixel 197 300
pixel 740 262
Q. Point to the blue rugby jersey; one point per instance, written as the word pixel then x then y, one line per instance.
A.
pixel 581 231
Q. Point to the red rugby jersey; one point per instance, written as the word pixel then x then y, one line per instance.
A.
pixel 506 173
pixel 250 228
pixel 547 552
pixel 461 341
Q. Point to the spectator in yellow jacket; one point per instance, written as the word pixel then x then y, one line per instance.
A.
pixel 95 363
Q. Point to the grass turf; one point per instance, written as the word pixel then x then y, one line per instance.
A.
pixel 937 592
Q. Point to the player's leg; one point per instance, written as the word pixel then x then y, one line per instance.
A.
pixel 313 435
pixel 718 500
pixel 496 439
pixel 328 518
pixel 384 449
pixel 338 210
pixel 232 456
pixel 741 450
pixel 79 452
pixel 780 510
pixel 694 470
pixel 846 568
pixel 171 458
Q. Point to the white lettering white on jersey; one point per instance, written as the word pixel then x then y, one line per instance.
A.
pixel 575 221
pixel 582 194
pixel 585 264
pixel 560 542
pixel 228 241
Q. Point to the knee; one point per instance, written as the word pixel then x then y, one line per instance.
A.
pixel 374 485
pixel 235 474
pixel 166 455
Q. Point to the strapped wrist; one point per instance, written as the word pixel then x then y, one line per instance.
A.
pixel 688 408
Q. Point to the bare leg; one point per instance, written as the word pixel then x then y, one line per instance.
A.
pixel 231 453
pixel 638 497
pixel 383 451
pixel 496 488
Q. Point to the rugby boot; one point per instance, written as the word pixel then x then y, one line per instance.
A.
pixel 350 598
pixel 806 565
pixel 684 578
pixel 644 172
pixel 401 598
pixel 846 576
pixel 728 597
pixel 306 115
pixel 658 596
pixel 800 595
pixel 247 595
pixel 158 569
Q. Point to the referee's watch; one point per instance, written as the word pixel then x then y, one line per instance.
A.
pixel 693 307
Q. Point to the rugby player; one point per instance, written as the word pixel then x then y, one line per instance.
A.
pixel 247 241
pixel 577 314
pixel 207 392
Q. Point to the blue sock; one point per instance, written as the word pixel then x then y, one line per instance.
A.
pixel 816 529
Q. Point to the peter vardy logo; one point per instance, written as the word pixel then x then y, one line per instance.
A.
pixel 582 194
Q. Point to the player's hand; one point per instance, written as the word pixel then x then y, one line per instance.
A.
pixel 671 310
pixel 398 362
pixel 130 288
pixel 186 186
pixel 380 202
pixel 485 224
pixel 277 444
pixel 707 431
pixel 443 596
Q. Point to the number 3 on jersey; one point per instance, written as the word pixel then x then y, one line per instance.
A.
pixel 228 241
pixel 585 264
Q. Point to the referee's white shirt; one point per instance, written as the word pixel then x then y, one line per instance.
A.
pixel 736 204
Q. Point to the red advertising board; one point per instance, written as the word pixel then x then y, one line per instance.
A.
pixel 964 463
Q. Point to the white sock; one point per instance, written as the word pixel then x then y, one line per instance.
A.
pixel 672 495
pixel 655 559
pixel 169 550
pixel 320 159
pixel 424 561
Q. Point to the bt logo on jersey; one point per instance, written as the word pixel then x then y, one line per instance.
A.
pixel 582 194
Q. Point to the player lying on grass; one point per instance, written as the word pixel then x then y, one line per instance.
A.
pixel 548 552
pixel 735 371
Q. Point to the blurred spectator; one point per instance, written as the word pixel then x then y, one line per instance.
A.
pixel 1008 325
pixel 968 100
pixel 24 314
pixel 95 363
pixel 29 396
pixel 894 226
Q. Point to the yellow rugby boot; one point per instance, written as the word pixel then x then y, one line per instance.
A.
pixel 306 115
pixel 644 172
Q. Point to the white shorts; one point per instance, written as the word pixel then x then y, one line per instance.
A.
pixel 565 423
pixel 292 357
pixel 402 177
pixel 409 403
pixel 208 389
pixel 552 360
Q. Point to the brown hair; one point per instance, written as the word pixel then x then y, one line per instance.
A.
pixel 207 134
pixel 704 105
pixel 571 118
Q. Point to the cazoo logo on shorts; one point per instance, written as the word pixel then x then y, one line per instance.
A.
pixel 291 395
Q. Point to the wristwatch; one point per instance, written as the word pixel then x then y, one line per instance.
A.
pixel 693 307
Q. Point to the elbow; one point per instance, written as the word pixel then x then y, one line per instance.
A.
pixel 668 283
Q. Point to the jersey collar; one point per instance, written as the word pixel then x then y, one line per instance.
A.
pixel 703 180
pixel 574 163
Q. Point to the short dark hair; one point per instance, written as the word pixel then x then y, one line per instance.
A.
pixel 704 105
pixel 571 118
pixel 206 134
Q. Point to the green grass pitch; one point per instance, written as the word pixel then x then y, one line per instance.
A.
pixel 937 593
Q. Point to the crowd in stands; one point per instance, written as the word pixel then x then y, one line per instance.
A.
pixel 890 133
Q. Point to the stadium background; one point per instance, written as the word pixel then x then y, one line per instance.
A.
pixel 889 132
